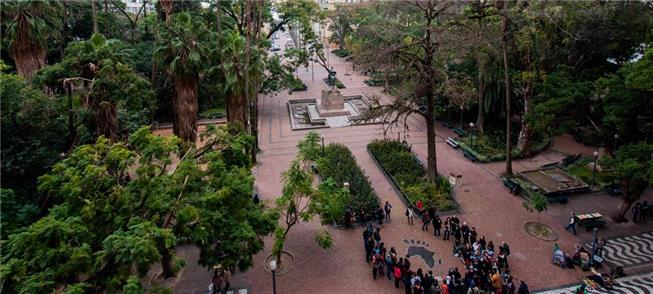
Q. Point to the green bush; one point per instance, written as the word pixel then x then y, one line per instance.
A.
pixel 213 113
pixel 410 175
pixel 339 165
pixel 337 82
pixel 341 52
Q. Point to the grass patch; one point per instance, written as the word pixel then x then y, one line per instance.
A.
pixel 582 169
pixel 410 177
pixel 491 147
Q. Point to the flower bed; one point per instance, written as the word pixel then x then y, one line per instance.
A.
pixel 409 177
pixel 339 164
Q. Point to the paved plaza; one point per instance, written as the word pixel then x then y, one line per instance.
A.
pixel 485 204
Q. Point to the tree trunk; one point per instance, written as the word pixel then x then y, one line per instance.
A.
pixel 107 122
pixel 166 260
pixel 480 118
pixel 236 108
pixel 526 132
pixel 506 77
pixel 619 214
pixel 185 105
pixel 432 166
pixel 167 8
pixel 94 9
pixel 28 54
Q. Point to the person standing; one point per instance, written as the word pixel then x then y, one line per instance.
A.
pixel 387 207
pixel 426 221
pixel 472 235
pixel 572 223
pixel 375 268
pixel 216 281
pixel 388 266
pixel 437 225
pixel 505 250
pixel 523 288
pixel 377 235
pixel 369 248
pixel 397 274
pixel 645 210
pixel 409 215
pixel 348 216
pixel 447 230
pixel 636 211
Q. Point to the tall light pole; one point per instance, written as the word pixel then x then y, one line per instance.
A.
pixel 471 136
pixel 273 269
pixel 593 245
pixel 461 116
pixel 596 156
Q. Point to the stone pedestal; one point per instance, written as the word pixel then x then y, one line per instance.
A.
pixel 332 103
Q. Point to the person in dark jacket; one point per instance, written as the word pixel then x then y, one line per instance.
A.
pixel 523 288
pixel 437 225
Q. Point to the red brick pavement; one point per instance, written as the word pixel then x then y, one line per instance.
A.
pixel 485 204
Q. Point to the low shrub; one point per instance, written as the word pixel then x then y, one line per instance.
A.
pixel 337 83
pixel 213 113
pixel 338 164
pixel 341 52
pixel 409 175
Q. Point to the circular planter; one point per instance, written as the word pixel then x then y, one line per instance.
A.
pixel 286 266
pixel 541 231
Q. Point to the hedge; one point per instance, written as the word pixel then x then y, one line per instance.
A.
pixel 409 175
pixel 339 164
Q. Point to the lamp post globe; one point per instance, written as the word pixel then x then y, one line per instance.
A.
pixel 273 268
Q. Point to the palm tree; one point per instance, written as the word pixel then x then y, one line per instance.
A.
pixel 29 24
pixel 182 53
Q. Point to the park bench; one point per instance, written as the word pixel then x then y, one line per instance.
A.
pixel 512 185
pixel 447 124
pixel 470 156
pixel 614 190
pixel 459 132
pixel 452 142
pixel 553 164
pixel 589 225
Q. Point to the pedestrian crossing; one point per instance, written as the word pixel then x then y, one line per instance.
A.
pixel 629 251
pixel 638 284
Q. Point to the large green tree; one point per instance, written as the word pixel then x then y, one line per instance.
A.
pixel 632 168
pixel 120 207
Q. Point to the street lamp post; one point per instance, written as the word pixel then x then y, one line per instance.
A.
pixel 461 116
pixel 596 156
pixel 593 245
pixel 322 137
pixel 273 269
pixel 471 136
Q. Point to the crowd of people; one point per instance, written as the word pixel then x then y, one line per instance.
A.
pixel 485 269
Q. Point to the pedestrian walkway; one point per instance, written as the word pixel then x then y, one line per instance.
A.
pixel 637 284
pixel 629 251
